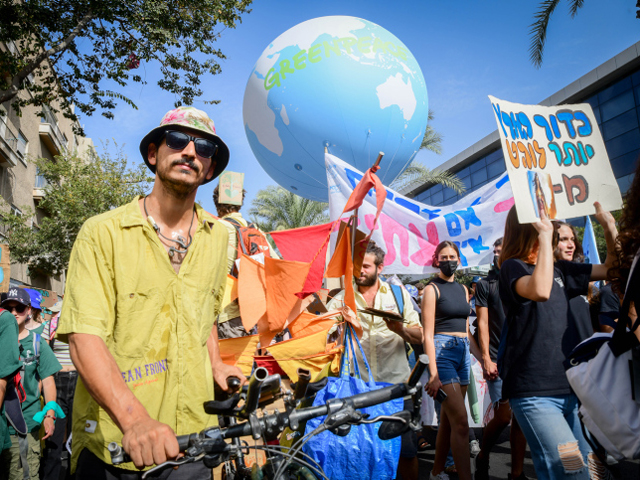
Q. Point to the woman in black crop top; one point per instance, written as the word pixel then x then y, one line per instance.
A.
pixel 445 312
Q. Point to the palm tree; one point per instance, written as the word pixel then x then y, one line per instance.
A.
pixel 417 174
pixel 539 27
pixel 275 208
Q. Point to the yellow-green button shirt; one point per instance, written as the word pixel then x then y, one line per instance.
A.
pixel 122 288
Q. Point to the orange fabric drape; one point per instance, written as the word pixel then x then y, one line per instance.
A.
pixel 305 352
pixel 239 352
pixel 283 278
pixel 307 323
pixel 342 264
pixel 252 294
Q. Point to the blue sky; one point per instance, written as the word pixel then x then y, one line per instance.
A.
pixel 466 49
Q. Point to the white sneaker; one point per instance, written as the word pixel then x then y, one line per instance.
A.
pixel 474 447
pixel 441 476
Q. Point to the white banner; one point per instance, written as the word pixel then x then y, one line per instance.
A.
pixel 556 160
pixel 409 231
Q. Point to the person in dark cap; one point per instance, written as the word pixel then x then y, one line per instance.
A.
pixel 144 287
pixel 9 366
pixel 38 364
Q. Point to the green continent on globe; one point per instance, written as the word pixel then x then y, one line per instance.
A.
pixel 314 55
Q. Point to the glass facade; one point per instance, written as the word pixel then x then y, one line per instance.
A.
pixel 617 110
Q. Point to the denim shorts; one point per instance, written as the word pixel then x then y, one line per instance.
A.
pixel 495 390
pixel 452 359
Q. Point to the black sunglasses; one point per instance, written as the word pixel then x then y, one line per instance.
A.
pixel 177 140
pixel 18 308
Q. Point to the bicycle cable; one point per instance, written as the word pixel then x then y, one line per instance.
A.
pixel 316 469
pixel 318 430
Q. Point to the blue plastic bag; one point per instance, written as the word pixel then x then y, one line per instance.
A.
pixel 360 454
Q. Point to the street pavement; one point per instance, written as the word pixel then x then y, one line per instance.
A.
pixel 500 461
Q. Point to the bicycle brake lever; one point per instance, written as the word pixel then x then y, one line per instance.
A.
pixel 171 463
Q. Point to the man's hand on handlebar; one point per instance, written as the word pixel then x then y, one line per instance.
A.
pixel 150 442
pixel 223 371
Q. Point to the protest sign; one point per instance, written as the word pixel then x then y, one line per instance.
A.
pixel 409 231
pixel 556 160
pixel 230 188
pixel 5 268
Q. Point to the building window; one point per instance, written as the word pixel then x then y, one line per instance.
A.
pixel 15 211
pixel 41 182
pixel 22 145
pixel 478 177
pixel 496 168
pixel 3 126
pixel 477 165
pixel 617 105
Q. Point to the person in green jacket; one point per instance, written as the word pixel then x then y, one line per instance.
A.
pixel 37 363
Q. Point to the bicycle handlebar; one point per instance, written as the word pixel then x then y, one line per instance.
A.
pixel 211 440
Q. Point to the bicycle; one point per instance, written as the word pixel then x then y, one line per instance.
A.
pixel 210 445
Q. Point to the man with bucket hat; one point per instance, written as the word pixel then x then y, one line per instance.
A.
pixel 144 287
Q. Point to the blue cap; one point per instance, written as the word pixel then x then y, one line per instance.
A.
pixel 413 291
pixel 36 298
pixel 476 279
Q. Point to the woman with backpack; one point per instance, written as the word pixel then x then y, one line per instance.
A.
pixel 536 338
pixel 445 313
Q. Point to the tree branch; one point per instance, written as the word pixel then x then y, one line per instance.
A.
pixel 17 80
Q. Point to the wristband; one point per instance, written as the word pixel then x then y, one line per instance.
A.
pixel 40 416
pixel 50 416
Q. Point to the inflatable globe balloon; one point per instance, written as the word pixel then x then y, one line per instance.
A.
pixel 338 82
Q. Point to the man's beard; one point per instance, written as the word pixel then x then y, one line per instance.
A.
pixel 175 187
pixel 368 281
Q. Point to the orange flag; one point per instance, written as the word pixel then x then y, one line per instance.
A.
pixel 283 278
pixel 252 295
pixel 341 263
pixel 239 352
pixel 369 180
pixel 305 352
pixel 307 323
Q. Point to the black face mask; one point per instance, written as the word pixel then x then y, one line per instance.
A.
pixel 448 268
pixel 495 262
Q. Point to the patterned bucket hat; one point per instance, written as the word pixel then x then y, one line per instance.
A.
pixel 193 119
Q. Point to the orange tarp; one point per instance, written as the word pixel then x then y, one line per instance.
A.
pixel 307 323
pixel 295 353
pixel 342 264
pixel 239 352
pixel 283 279
pixel 252 296
pixel 230 291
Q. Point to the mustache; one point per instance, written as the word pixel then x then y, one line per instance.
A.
pixel 186 161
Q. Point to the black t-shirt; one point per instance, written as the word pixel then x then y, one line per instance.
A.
pixel 488 296
pixel 580 327
pixel 609 301
pixel 609 306
pixel 536 336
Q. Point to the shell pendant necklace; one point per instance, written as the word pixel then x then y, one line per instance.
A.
pixel 183 246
